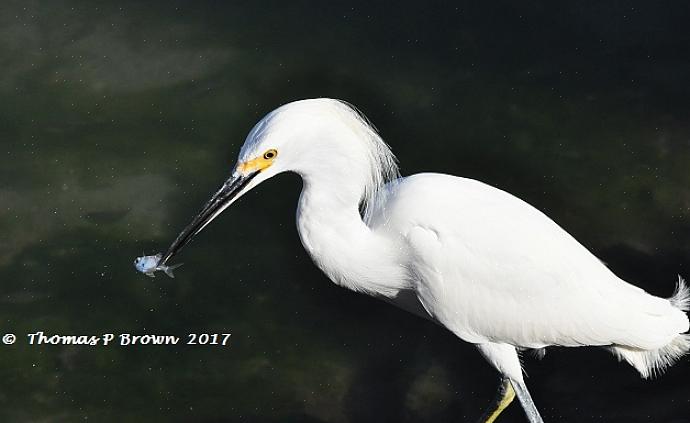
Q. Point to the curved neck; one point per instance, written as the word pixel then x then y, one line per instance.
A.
pixel 332 231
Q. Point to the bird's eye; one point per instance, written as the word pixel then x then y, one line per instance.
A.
pixel 270 154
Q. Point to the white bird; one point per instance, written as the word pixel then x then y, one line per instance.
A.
pixel 489 267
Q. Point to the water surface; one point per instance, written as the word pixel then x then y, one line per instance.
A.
pixel 119 119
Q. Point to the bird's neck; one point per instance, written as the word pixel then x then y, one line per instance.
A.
pixel 349 252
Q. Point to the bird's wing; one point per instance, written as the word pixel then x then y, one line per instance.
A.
pixel 490 267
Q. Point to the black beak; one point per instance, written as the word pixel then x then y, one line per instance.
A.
pixel 225 196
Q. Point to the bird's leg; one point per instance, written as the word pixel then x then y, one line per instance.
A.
pixel 505 359
pixel 527 403
pixel 504 397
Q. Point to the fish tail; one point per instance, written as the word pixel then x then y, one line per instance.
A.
pixel 169 269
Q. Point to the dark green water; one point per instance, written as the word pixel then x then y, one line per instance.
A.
pixel 119 119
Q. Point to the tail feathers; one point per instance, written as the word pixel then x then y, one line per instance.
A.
pixel 169 269
pixel 652 363
pixel 681 296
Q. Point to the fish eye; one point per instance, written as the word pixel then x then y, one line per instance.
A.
pixel 270 154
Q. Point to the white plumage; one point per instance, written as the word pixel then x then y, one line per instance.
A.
pixel 491 268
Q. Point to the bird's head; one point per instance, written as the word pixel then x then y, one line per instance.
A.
pixel 309 137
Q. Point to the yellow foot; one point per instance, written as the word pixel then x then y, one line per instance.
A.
pixel 505 396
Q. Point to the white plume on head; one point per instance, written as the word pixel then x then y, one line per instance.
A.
pixel 382 161
pixel 377 161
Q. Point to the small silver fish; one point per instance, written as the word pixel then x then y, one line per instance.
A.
pixel 149 264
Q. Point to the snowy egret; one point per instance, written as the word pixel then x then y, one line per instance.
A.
pixel 489 267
